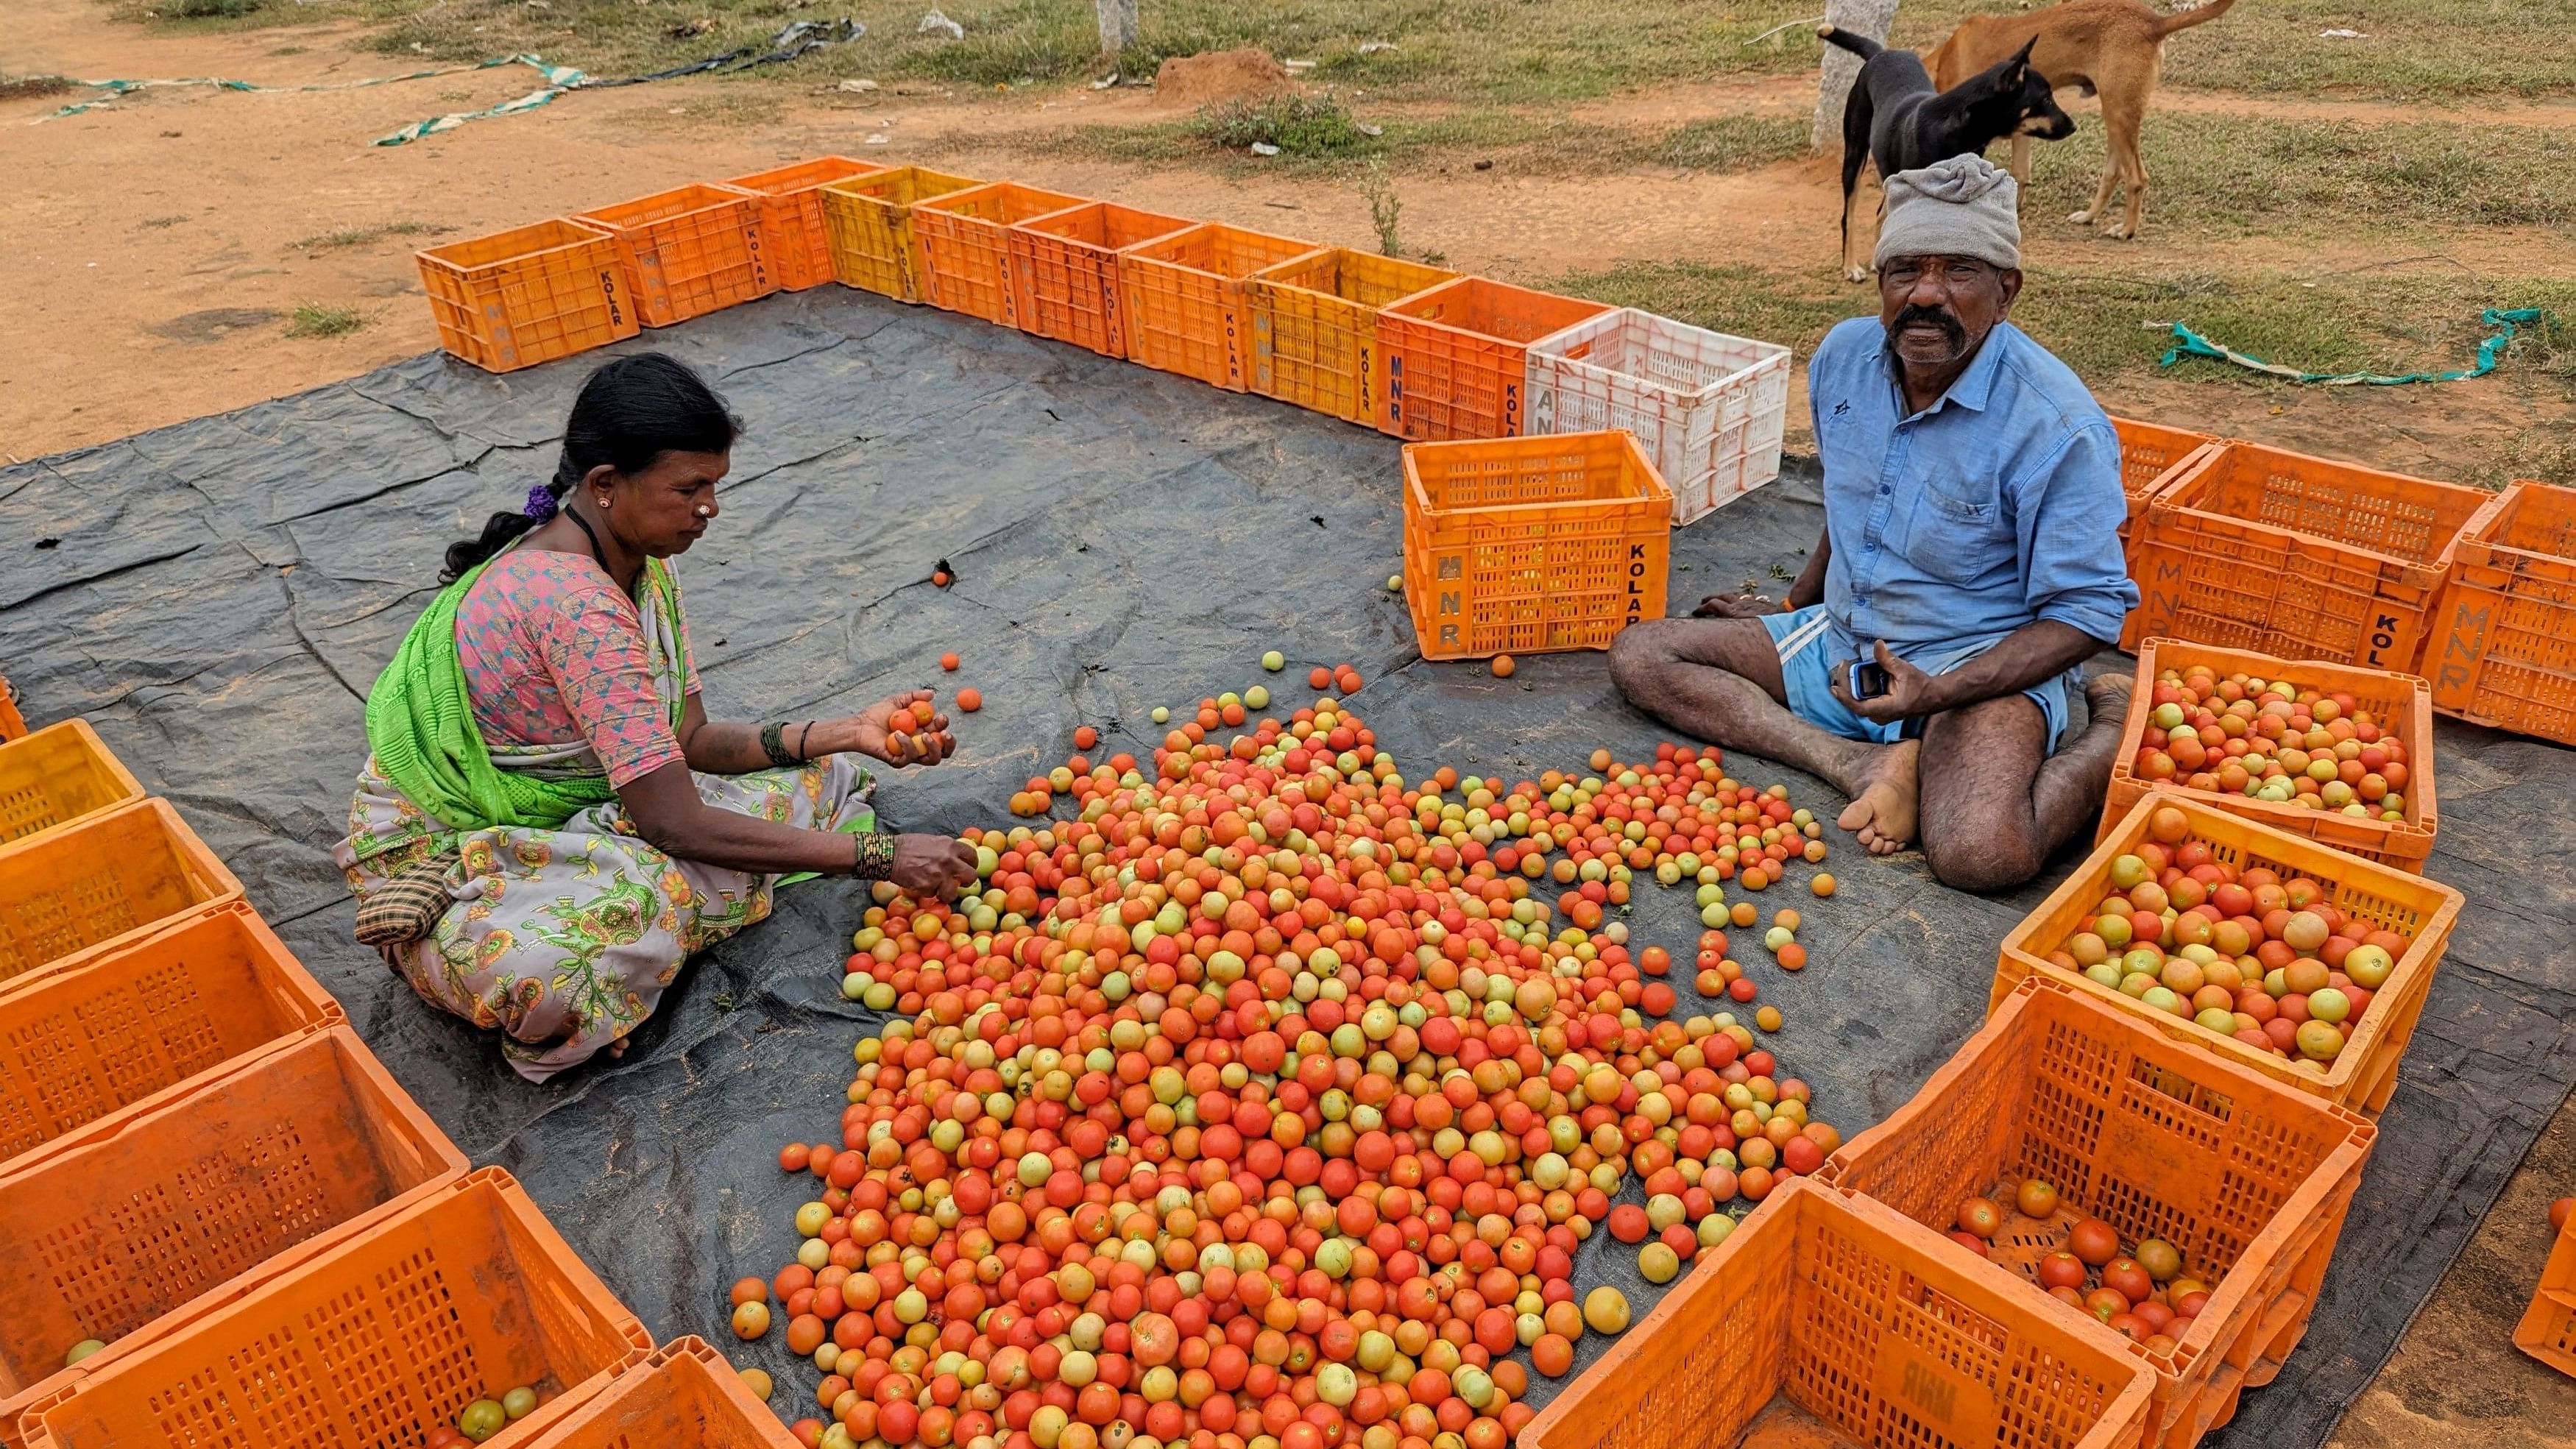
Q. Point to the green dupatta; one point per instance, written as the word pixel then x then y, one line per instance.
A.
pixel 420 725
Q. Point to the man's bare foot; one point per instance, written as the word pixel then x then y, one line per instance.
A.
pixel 617 1049
pixel 2106 697
pixel 1882 816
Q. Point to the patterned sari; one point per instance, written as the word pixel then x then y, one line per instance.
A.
pixel 565 938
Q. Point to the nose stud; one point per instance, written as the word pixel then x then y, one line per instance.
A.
pixel 706 512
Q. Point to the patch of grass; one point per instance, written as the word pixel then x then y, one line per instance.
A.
pixel 210 9
pixel 2100 325
pixel 2546 451
pixel 34 87
pixel 1306 126
pixel 314 319
pixel 359 236
pixel 2410 50
pixel 1532 144
pixel 2238 172
pixel 734 105
pixel 1386 213
pixel 1508 51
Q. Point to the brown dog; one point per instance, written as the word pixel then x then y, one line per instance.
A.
pixel 2110 48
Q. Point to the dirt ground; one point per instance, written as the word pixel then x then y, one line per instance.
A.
pixel 162 237
pixel 154 252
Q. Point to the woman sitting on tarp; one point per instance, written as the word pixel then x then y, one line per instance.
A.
pixel 548 822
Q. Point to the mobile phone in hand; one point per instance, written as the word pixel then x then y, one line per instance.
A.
pixel 1866 681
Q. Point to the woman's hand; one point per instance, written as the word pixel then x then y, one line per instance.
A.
pixel 892 730
pixel 932 866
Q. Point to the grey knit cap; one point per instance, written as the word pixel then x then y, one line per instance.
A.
pixel 1962 207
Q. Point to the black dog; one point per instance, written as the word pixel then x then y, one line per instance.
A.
pixel 1895 118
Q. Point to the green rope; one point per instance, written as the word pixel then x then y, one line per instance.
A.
pixel 2504 322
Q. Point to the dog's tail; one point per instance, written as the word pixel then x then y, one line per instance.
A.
pixel 2186 19
pixel 1864 47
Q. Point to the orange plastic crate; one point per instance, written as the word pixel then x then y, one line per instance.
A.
pixel 1531 545
pixel 1832 1320
pixel 791 216
pixel 2403 703
pixel 103 881
pixel 2364 1075
pixel 110 1028
pixel 2502 650
pixel 964 243
pixel 527 295
pixel 2548 1328
pixel 57 775
pixel 868 223
pixel 2150 454
pixel 1184 299
pixel 684 1397
pixel 2277 552
pixel 162 1212
pixel 373 1340
pixel 1314 328
pixel 1457 356
pixel 688 251
pixel 1065 271
pixel 2249 1178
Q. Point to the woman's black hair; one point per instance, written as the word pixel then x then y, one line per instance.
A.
pixel 630 413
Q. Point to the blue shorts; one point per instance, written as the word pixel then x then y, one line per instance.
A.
pixel 1811 645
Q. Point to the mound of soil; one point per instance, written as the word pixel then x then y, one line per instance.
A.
pixel 1219 75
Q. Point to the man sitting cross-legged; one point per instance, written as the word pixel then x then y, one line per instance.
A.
pixel 1972 502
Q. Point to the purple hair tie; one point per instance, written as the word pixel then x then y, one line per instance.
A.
pixel 541 504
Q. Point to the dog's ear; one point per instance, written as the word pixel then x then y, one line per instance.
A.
pixel 2019 65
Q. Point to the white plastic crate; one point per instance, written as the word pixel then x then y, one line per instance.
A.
pixel 1706 407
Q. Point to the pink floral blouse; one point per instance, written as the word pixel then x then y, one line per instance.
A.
pixel 554 652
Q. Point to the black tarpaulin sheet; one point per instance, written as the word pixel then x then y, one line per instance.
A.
pixel 216 597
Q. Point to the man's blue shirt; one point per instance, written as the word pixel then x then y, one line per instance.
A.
pixel 1998 505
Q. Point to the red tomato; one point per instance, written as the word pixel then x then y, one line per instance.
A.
pixel 2094 1241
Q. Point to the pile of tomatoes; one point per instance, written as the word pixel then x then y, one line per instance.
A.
pixel 2272 740
pixel 2145 1292
pixel 1269 1096
pixel 2243 952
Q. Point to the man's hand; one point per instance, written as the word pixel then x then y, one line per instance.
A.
pixel 1911 693
pixel 1737 606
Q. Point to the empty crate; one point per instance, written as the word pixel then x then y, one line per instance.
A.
pixel 688 251
pixel 963 240
pixel 1526 545
pixel 463 1294
pixel 59 774
pixel 2502 649
pixel 137 1223
pixel 1184 297
pixel 1065 271
pixel 528 295
pixel 1710 409
pixel 1314 328
pixel 1457 356
pixel 105 880
pixel 791 215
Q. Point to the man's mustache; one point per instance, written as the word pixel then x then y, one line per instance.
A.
pixel 1934 316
